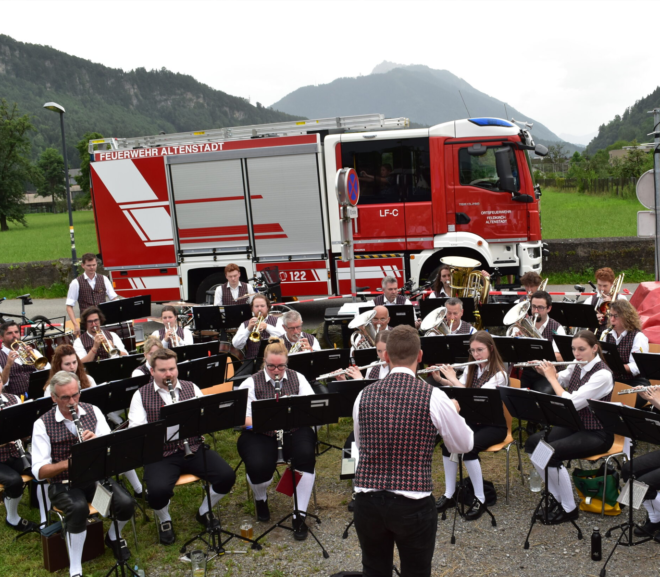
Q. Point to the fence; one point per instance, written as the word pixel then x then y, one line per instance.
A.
pixel 614 186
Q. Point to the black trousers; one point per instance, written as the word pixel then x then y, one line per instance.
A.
pixel 572 444
pixel 383 519
pixel 10 477
pixel 484 436
pixel 647 470
pixel 74 503
pixel 530 379
pixel 161 477
pixel 259 453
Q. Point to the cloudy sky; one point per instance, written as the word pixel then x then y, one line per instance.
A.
pixel 572 65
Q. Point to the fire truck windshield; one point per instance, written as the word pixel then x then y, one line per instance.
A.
pixel 481 171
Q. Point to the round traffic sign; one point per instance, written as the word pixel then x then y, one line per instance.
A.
pixel 347 187
pixel 646 189
pixel 353 186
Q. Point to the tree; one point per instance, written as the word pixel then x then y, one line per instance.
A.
pixel 83 178
pixel 51 166
pixel 15 167
pixel 556 153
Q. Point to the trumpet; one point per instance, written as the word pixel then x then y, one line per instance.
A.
pixel 106 344
pixel 539 363
pixel 637 390
pixel 255 335
pixel 345 371
pixel 28 355
pixel 454 366
pixel 76 422
pixel 22 454
pixel 297 347
pixel 186 446
pixel 174 337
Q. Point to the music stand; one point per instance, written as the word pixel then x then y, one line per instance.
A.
pixel 215 318
pixel 287 413
pixel 115 395
pixel 195 417
pixel 316 363
pixel 205 372
pixel 548 410
pixel 250 365
pixel 113 369
pixel 458 347
pixel 612 357
pixel 437 350
pixel 365 356
pixel 197 351
pixel 574 315
pixel 108 456
pixel 399 315
pixel 38 380
pixel 637 425
pixel 492 314
pixel 428 305
pixel 647 363
pixel 127 309
pixel 564 345
pixel 348 392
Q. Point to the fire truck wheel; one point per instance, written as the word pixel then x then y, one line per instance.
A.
pixel 210 282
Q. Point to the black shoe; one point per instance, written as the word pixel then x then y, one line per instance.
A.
pixel 263 513
pixel 166 533
pixel 444 503
pixel 119 548
pixel 300 529
pixel 561 516
pixel 647 529
pixel 138 496
pixel 206 522
pixel 23 526
pixel 476 510
pixel 351 505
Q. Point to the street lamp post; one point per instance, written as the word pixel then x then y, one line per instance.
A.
pixel 60 110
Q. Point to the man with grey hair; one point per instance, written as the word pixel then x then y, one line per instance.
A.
pixel 390 294
pixel 453 318
pixel 53 435
pixel 292 324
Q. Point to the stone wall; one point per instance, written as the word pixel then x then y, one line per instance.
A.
pixel 39 273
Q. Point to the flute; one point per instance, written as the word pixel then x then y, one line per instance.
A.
pixel 345 371
pixel 538 363
pixel 454 366
pixel 637 390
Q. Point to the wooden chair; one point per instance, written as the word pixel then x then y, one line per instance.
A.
pixel 26 479
pixel 654 348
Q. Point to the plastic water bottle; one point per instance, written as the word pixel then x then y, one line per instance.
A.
pixel 596 545
pixel 140 572
pixel 535 481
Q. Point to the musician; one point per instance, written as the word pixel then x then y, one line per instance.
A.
pixel 380 323
pixel 161 477
pixel 151 345
pixel 259 450
pixel 391 294
pixel 488 375
pixel 292 324
pixel 88 290
pixel 230 293
pixel 89 345
pixel 393 502
pixel 453 318
pixel 530 281
pixel 267 328
pixel 647 470
pixel 11 468
pixel 168 317
pixel 627 334
pixel 578 383
pixel 14 373
pixel 441 288
pixel 541 307
pixel 378 372
pixel 604 281
pixel 52 438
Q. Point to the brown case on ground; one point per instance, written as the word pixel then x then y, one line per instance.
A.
pixel 54 548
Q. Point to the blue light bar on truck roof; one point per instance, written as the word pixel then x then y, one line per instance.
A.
pixel 490 122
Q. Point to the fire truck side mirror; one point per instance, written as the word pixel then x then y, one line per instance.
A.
pixel 541 150
pixel 503 166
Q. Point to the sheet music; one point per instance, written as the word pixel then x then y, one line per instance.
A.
pixel 542 454
pixel 353 308
pixel 355 453
pixel 102 499
pixel 348 467
pixel 639 491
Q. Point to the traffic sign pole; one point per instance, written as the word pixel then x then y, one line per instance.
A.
pixel 656 171
pixel 347 187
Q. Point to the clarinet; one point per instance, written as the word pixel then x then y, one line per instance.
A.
pixel 186 446
pixel 280 433
pixel 22 454
pixel 76 421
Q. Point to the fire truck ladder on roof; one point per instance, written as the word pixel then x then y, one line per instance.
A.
pixel 359 123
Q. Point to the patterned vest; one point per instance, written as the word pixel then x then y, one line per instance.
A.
pixel 88 343
pixel 478 382
pixel 264 390
pixel 463 328
pixel 550 330
pixel 397 435
pixel 374 373
pixel 624 349
pixel 152 403
pixel 19 376
pixel 591 423
pixel 9 451
pixel 145 370
pixel 310 339
pixel 61 439
pixel 380 300
pixel 228 298
pixel 252 349
pixel 88 297
pixel 161 335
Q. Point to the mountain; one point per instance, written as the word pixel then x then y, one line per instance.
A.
pixel 635 124
pixel 424 95
pixel 582 139
pixel 110 101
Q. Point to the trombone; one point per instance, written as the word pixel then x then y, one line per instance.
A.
pixel 255 335
pixel 28 355
pixel 107 345
pixel 617 285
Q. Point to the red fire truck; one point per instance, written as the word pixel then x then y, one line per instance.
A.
pixel 172 210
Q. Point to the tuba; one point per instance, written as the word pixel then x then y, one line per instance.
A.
pixel 434 324
pixel 468 283
pixel 364 335
pixel 517 319
pixel 28 355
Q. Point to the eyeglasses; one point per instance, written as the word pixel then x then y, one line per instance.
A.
pixel 299 327
pixel 276 367
pixel 541 308
pixel 472 351
pixel 67 398
pixel 613 316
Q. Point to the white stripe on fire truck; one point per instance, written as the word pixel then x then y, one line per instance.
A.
pixel 124 181
pixel 144 204
pixel 135 225
pixel 160 243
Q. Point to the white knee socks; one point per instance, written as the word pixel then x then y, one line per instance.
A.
pixel 565 490
pixel 260 489
pixel 44 501
pixel 163 514
pixel 111 532
pixel 215 497
pixel 653 508
pixel 474 470
pixel 304 490
pixel 76 543
pixel 553 480
pixel 132 478
pixel 12 510
pixel 451 469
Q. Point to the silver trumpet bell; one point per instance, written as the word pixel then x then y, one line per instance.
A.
pixel 517 320
pixel 433 324
pixel 364 335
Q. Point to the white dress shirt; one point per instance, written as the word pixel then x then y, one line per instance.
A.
pixel 497 380
pixel 315 347
pixel 441 295
pixel 217 299
pixel 187 337
pixel 41 451
pixel 90 378
pixel 599 385
pixel 640 344
pixel 138 416
pixel 80 348
pixel 242 334
pixel 137 372
pixel 389 304
pixel 304 388
pixel 560 331
pixel 74 288
pixel 458 437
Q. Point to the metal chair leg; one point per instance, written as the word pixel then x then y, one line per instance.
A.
pixel 507 474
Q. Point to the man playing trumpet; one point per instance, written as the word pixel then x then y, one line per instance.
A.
pixel 295 339
pixel 97 343
pixel 14 372
pixel 266 327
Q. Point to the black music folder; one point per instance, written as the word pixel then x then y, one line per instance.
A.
pixel 126 309
pixel 574 315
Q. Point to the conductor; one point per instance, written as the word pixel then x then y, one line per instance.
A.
pixel 393 478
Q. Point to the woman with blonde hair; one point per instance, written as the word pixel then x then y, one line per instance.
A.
pixel 151 345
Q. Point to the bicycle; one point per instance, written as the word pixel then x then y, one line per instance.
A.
pixel 29 326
